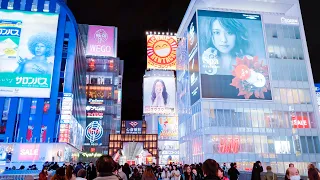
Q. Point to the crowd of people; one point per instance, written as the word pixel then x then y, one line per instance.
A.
pixel 107 169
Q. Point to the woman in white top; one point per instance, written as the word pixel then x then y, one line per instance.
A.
pixel 166 174
pixel 175 173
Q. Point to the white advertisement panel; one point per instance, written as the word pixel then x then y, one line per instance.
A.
pixel 27 47
pixel 159 95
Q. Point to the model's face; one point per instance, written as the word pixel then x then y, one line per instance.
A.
pixel 159 88
pixel 220 173
pixel 222 39
pixel 40 49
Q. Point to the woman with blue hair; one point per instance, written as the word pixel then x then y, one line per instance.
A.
pixel 42 46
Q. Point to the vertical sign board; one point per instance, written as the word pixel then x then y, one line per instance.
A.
pixel 193 61
pixel 66 117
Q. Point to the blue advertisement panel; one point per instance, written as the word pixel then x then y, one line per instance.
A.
pixel 27 46
pixel 193 61
pixel 183 87
pixel 232 56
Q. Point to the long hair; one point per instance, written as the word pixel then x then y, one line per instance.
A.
pixel 234 26
pixel 69 171
pixel 210 167
pixel 164 92
pixel 148 172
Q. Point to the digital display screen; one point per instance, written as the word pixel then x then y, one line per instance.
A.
pixel 27 49
pixel 232 56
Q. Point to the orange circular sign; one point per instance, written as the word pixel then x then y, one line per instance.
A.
pixel 161 52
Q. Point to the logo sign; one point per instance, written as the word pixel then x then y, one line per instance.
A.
pixel 96 101
pixel 29 152
pixel 300 122
pixel 161 52
pixel 229 145
pixel 95 114
pixel 101 41
pixel 94 131
pixel 133 127
pixel 95 108
pixel 289 21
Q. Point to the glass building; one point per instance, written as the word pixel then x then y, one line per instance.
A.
pixel 245 86
pixel 29 122
pixel 104 94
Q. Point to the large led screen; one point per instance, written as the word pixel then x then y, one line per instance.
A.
pixel 159 95
pixel 232 56
pixel 161 52
pixel 27 47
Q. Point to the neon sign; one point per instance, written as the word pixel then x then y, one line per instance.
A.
pixel 94 131
pixel 95 114
pixel 95 108
pixel 300 122
pixel 29 152
pixel 229 145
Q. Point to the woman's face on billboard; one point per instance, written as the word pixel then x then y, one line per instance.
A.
pixel 222 39
pixel 159 87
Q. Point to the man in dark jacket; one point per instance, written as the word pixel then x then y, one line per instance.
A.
pixel 91 171
pixel 256 170
pixel 233 172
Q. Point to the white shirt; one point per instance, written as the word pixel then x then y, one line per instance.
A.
pixel 176 175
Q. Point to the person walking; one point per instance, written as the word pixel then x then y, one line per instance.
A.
pixel 269 175
pixel 91 171
pixel 233 172
pixel 148 174
pixel 106 168
pixel 256 170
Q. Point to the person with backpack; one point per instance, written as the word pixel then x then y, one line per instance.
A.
pixel 269 175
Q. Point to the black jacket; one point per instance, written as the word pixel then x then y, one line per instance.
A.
pixel 91 172
pixel 256 172
pixel 233 173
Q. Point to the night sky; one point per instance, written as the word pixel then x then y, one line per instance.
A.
pixel 134 18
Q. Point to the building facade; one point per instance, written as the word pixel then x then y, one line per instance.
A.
pixel 245 86
pixel 32 120
pixel 103 87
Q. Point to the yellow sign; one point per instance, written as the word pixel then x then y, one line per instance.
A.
pixel 161 52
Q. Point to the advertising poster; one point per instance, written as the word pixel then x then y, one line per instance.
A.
pixel 183 87
pixel 193 61
pixel 168 128
pixel 232 56
pixel 159 95
pixel 27 47
pixel 161 52
pixel 101 41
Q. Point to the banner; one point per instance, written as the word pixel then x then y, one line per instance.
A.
pixel 27 47
pixel 168 128
pixel 232 56
pixel 161 52
pixel 101 41
pixel 159 95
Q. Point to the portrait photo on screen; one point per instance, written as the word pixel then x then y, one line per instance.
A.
pixel 159 95
pixel 232 56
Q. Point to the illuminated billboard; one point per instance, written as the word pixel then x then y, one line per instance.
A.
pixel 101 41
pixel 161 52
pixel 168 128
pixel 193 61
pixel 159 95
pixel 27 47
pixel 232 56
